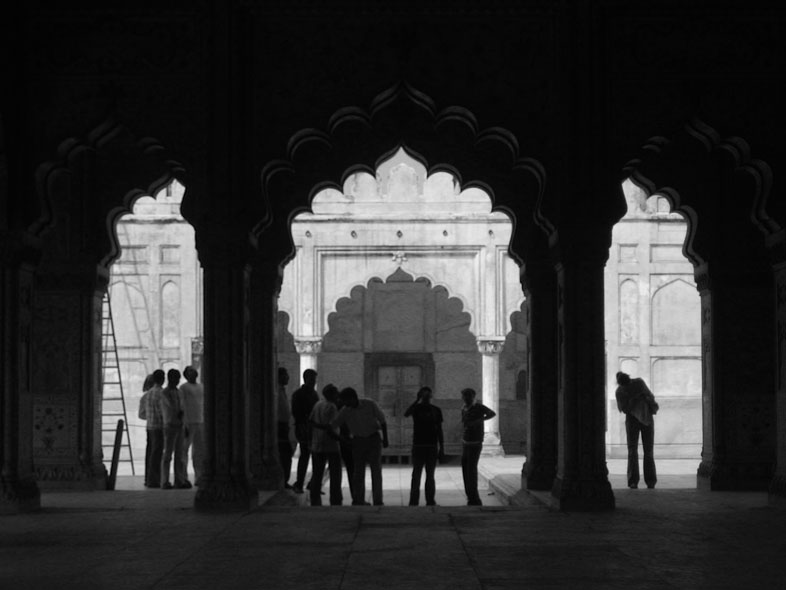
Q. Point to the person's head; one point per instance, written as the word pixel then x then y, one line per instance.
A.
pixel 425 394
pixel 468 395
pixel 623 378
pixel 191 374
pixel 349 397
pixel 310 377
pixel 283 376
pixel 173 377
pixel 148 382
pixel 330 392
pixel 159 377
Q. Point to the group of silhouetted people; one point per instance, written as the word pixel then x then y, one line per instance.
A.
pixel 174 423
pixel 343 428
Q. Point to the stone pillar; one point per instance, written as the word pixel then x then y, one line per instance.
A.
pixel 226 483
pixel 66 379
pixel 489 350
pixel 777 245
pixel 18 489
pixel 308 349
pixel 582 480
pixel 265 467
pixel 737 319
pixel 540 284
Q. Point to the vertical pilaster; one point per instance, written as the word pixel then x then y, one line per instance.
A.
pixel 582 481
pixel 540 284
pixel 309 349
pixel 265 468
pixel 226 478
pixel 738 447
pixel 777 246
pixel 18 489
pixel 489 351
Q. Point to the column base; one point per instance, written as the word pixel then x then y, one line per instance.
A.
pixel 537 477
pixel 734 476
pixel 19 496
pixel 226 495
pixel 777 490
pixel 582 496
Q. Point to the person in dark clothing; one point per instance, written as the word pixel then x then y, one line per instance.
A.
pixel 303 401
pixel 638 404
pixel 473 414
pixel 428 444
pixel 345 446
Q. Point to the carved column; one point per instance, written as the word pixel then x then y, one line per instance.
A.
pixel 540 284
pixel 18 489
pixel 266 472
pixel 489 349
pixel 226 483
pixel 66 378
pixel 582 481
pixel 738 402
pixel 777 246
pixel 308 349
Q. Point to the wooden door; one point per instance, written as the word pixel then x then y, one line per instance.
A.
pixel 397 387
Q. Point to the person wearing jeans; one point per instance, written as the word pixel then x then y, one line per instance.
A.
pixel 428 445
pixel 473 414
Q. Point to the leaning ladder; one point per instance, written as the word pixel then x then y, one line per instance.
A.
pixel 113 403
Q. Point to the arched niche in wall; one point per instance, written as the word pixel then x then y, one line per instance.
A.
pixel 676 314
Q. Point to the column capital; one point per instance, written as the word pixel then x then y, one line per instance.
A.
pixel 308 345
pixel 490 345
pixel 223 246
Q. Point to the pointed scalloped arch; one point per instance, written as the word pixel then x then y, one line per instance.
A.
pixel 117 160
pixel 661 169
pixel 399 117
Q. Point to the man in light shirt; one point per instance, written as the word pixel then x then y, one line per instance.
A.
pixel 365 421
pixel 192 400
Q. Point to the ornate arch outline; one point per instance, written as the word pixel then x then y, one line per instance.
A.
pixel 422 277
pixel 665 179
pixel 400 117
pixel 125 157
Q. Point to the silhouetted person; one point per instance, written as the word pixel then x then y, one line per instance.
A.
pixel 283 419
pixel 427 444
pixel 473 414
pixel 325 448
pixel 172 413
pixel 345 446
pixel 192 396
pixel 303 401
pixel 638 404
pixel 142 413
pixel 150 406
pixel 365 421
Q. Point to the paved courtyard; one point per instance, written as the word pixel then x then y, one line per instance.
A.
pixel 672 537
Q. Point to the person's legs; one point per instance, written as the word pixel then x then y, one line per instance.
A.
pixel 648 443
pixel 334 465
pixel 302 463
pixel 346 456
pixel 431 484
pixel 469 468
pixel 375 465
pixel 156 451
pixel 148 470
pixel 317 471
pixel 170 437
pixel 358 471
pixel 632 427
pixel 197 449
pixel 185 445
pixel 181 480
pixel 418 460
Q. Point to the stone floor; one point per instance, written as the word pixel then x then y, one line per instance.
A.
pixel 671 537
